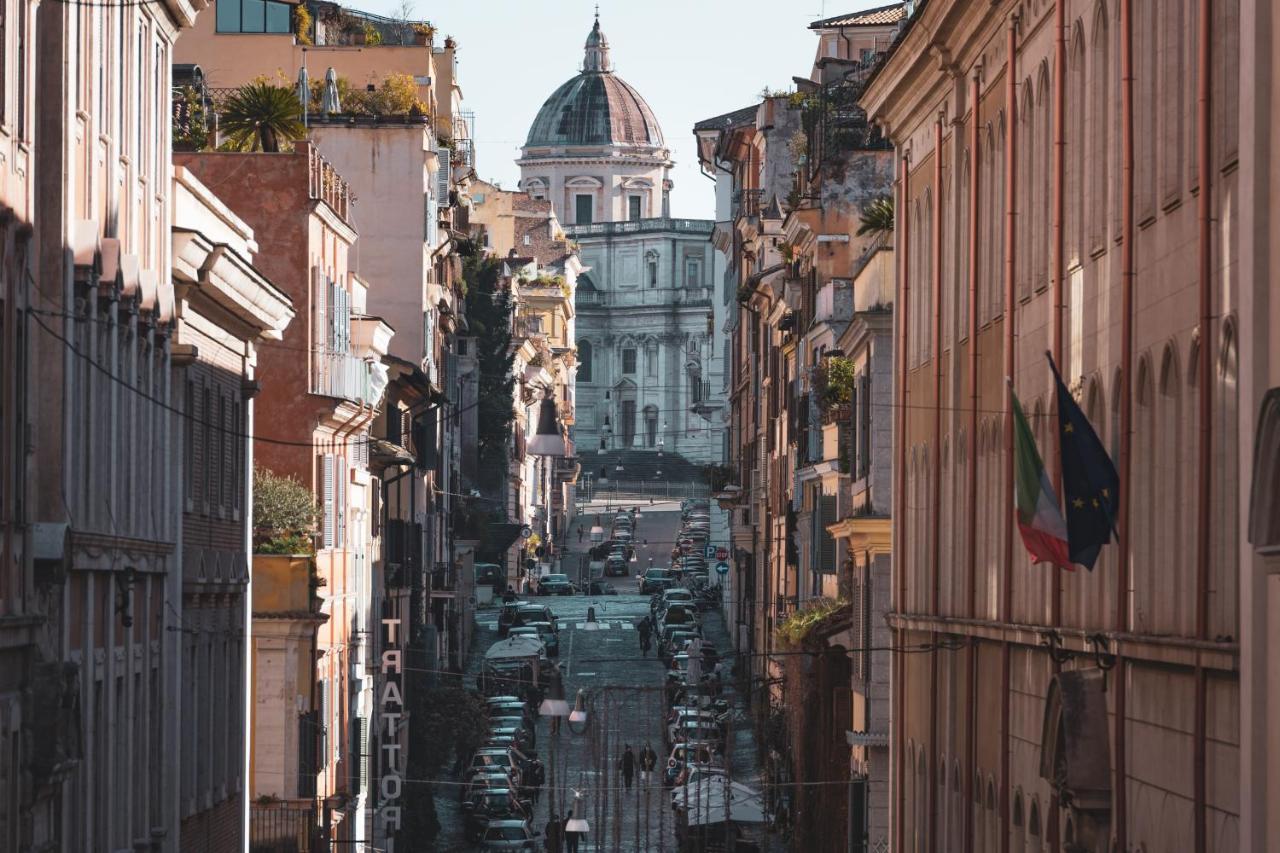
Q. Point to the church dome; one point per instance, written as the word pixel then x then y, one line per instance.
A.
pixel 595 108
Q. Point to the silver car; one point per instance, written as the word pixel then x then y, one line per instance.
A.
pixel 508 835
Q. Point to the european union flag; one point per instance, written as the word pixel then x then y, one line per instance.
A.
pixel 1090 484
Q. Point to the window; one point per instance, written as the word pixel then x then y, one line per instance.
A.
pixel 651 360
pixel 693 272
pixel 206 412
pixel 584 361
pixel 253 16
pixel 633 207
pixel 653 271
pixel 629 361
pixel 584 207
pixel 651 426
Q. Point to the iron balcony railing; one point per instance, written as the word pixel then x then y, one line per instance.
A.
pixel 343 375
pixel 284 828
pixel 662 223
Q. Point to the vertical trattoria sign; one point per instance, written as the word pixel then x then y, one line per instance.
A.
pixel 390 712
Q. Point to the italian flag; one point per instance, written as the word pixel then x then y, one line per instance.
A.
pixel 1040 521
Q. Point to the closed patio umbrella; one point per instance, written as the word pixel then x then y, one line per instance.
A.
pixel 303 91
pixel 329 101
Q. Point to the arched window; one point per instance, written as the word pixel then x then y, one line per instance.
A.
pixel 1099 92
pixel 962 248
pixel 1075 130
pixel 1000 207
pixel 1044 171
pixel 1033 824
pixel 1026 154
pixel 1175 546
pixel 1144 441
pixel 1225 506
pixel 584 360
pixel 1018 829
pixel 1169 81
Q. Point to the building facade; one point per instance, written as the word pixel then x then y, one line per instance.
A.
pixel 646 363
pixel 224 308
pixel 320 409
pixel 1072 178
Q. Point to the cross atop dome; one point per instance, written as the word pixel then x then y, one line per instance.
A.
pixel 597 49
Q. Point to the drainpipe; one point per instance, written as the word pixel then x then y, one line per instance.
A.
pixel 1128 274
pixel 1204 212
pixel 904 244
pixel 1059 256
pixel 1010 361
pixel 975 162
pixel 936 278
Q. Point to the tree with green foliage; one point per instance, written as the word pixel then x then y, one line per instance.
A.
pixel 489 308
pixel 447 723
pixel 877 216
pixel 284 514
pixel 262 117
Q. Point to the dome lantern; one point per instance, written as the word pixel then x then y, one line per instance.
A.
pixel 597 49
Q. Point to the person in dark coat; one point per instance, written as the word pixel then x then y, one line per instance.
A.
pixel 628 766
pixel 646 642
pixel 553 833
pixel 648 761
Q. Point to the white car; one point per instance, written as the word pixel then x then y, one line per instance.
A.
pixel 685 716
pixel 700 776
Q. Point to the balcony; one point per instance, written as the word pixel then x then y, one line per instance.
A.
pixel 344 376
pixel 747 203
pixel 444 578
pixel 283 826
pixel 636 226
pixel 689 297
pixel 328 186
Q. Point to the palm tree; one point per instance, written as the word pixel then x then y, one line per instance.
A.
pixel 877 216
pixel 262 117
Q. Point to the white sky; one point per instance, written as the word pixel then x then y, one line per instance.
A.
pixel 690 59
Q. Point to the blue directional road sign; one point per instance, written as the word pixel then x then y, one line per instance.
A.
pixel 722 568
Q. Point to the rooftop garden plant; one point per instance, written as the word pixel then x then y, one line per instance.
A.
pixel 797 627
pixel 833 382
pixel 261 116
pixel 284 514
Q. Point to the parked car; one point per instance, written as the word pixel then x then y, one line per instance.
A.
pixel 491 574
pixel 615 567
pixel 529 613
pixel 555 585
pixel 691 753
pixel 680 723
pixel 519 722
pixel 549 635
pixel 493 804
pixel 509 835
pixel 695 730
pixel 496 757
pixel 656 580
pixel 599 587
pixel 679 614
pixel 678 641
pixel 486 779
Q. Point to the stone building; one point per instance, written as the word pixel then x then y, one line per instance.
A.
pixel 646 360
pixel 1087 179
pixel 320 408
pixel 225 309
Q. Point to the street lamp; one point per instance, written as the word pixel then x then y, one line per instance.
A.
pixel 578 716
pixel 577 823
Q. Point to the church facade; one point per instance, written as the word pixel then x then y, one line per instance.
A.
pixel 649 379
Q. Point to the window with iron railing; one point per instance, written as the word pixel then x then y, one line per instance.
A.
pixel 337 372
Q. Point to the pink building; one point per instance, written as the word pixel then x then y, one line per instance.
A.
pixel 321 386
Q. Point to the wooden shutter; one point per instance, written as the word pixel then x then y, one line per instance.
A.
pixel 359 754
pixel 443 177
pixel 340 506
pixel 327 464
pixel 827 544
pixel 864 427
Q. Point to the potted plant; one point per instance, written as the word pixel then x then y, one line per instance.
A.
pixel 833 382
pixel 284 527
pixel 423 33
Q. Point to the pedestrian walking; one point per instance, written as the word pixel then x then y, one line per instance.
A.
pixel 553 833
pixel 646 643
pixel 628 766
pixel 537 777
pixel 579 534
pixel 648 761
pixel 570 838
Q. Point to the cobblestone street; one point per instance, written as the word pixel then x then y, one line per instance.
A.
pixel 624 695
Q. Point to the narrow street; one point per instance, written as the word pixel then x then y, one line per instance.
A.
pixel 623 692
